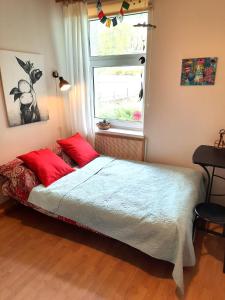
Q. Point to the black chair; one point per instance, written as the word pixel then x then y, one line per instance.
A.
pixel 210 213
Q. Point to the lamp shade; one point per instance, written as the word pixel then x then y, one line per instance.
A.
pixel 63 84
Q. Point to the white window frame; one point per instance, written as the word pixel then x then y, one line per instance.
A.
pixel 117 61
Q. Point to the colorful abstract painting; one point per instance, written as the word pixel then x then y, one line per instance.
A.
pixel 199 71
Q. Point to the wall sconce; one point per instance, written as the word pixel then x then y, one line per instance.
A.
pixel 63 84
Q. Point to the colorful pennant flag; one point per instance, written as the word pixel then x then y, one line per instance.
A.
pixel 103 20
pixel 121 11
pixel 125 5
pixel 101 15
pixel 99 8
pixel 108 22
pixel 114 21
pixel 99 4
pixel 120 18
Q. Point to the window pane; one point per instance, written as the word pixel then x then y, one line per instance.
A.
pixel 117 93
pixel 121 39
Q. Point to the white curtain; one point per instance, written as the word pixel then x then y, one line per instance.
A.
pixel 79 106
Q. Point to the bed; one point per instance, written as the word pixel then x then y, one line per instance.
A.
pixel 147 206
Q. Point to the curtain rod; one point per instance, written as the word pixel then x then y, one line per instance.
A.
pixel 90 1
pixel 70 1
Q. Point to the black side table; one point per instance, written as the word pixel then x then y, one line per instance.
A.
pixel 208 156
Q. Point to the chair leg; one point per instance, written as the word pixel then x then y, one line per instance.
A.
pixel 194 227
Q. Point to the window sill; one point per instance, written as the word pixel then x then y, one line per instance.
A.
pixel 121 132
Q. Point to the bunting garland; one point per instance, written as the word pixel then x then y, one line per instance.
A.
pixel 111 21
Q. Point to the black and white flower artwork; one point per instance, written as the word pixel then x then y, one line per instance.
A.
pixel 23 79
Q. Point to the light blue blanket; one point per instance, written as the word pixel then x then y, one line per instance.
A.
pixel 147 206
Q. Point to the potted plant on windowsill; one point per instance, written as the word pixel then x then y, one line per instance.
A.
pixel 104 125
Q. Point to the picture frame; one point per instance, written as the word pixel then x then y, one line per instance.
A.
pixel 199 71
pixel 24 85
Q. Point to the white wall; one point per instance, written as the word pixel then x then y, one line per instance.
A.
pixel 33 26
pixel 179 118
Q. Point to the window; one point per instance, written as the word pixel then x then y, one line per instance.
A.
pixel 117 72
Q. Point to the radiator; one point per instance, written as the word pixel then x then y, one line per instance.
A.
pixel 126 147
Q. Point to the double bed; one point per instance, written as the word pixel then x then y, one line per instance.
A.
pixel 147 206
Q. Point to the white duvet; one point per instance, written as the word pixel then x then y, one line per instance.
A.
pixel 147 206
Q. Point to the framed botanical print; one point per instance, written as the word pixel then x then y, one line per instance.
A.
pixel 24 85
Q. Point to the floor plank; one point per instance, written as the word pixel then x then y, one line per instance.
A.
pixel 42 258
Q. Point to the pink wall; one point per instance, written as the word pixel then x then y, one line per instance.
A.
pixel 178 118
pixel 32 26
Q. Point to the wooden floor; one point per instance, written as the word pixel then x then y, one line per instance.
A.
pixel 42 258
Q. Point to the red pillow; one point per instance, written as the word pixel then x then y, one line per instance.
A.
pixel 78 149
pixel 46 165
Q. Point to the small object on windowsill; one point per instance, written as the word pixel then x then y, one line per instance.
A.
pixel 145 25
pixel 220 143
pixel 104 125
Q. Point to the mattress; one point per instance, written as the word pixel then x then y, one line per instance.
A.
pixel 147 206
